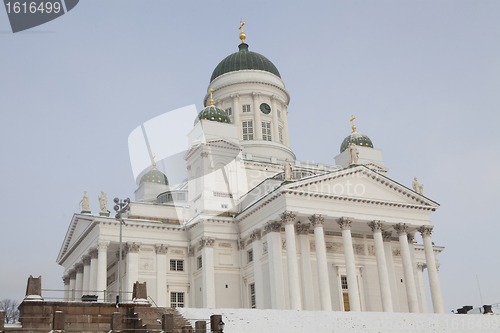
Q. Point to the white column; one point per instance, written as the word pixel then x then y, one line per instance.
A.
pixel 72 284
pixel 274 113
pixel 411 291
pixel 350 265
pixel 256 111
pixel 411 238
pixel 132 269
pixel 161 275
pixel 383 275
pixel 324 282
pixel 273 229
pixel 255 237
pixel 86 275
pixel 305 266
pixel 291 257
pixel 208 271
pixel 236 114
pixel 435 284
pixel 386 236
pixel 421 286
pixel 79 282
pixel 93 271
pixel 102 267
pixel 66 288
pixel 286 139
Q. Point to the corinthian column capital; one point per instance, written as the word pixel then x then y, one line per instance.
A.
pixel 386 236
pixel 302 228
pixel 272 226
pixel 207 242
pixel 426 230
pixel 401 228
pixel 287 217
pixel 255 235
pixel 376 225
pixel 344 223
pixel 317 220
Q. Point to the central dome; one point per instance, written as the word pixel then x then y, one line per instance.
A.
pixel 244 59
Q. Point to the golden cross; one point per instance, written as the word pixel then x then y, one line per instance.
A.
pixel 211 99
pixel 241 25
pixel 353 127
pixel 154 161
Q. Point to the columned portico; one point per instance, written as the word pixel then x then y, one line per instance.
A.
pixel 288 219
pixel 435 284
pixel 305 265
pixel 66 288
pixel 86 275
pixel 161 275
pixel 102 266
pixel 411 291
pixel 208 262
pixel 324 282
pixel 350 265
pixel 132 276
pixel 273 229
pixel 79 281
pixel 72 284
pixel 93 270
pixel 255 238
pixel 386 237
pixel 383 275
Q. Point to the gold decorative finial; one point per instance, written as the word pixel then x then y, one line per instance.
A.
pixel 242 34
pixel 211 99
pixel 154 161
pixel 353 127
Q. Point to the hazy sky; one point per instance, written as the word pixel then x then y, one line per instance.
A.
pixel 421 77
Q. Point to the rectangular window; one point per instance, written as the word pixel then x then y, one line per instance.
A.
pixel 229 112
pixel 177 265
pixel 246 108
pixel 250 255
pixel 200 262
pixel 266 131
pixel 280 130
pixel 252 296
pixel 176 300
pixel 343 282
pixel 247 130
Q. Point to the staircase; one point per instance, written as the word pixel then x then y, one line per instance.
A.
pixel 147 319
pixel 179 320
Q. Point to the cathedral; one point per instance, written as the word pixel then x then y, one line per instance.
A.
pixel 253 226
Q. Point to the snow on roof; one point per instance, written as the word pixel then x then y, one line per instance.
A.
pixel 293 321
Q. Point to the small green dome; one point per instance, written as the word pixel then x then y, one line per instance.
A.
pixel 358 139
pixel 213 113
pixel 154 176
pixel 244 59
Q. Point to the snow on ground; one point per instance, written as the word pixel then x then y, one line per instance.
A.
pixel 292 321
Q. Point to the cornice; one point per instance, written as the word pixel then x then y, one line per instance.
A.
pixel 252 82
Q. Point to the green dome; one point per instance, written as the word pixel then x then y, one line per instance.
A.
pixel 213 113
pixel 154 176
pixel 244 59
pixel 358 139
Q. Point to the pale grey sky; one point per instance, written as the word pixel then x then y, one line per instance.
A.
pixel 421 77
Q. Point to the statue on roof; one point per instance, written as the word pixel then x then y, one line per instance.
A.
pixel 419 188
pixel 103 202
pixel 85 203
pixel 287 167
pixel 353 154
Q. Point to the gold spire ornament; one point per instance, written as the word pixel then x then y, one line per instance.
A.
pixel 211 99
pixel 154 161
pixel 353 127
pixel 243 36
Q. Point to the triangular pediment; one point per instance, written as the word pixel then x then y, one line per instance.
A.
pixel 361 182
pixel 78 226
pixel 215 143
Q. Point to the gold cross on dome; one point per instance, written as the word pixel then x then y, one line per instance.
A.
pixel 353 127
pixel 242 34
pixel 241 25
pixel 154 161
pixel 211 99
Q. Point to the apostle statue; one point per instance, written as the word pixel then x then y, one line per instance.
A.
pixel 419 188
pixel 103 202
pixel 353 154
pixel 85 202
pixel 287 167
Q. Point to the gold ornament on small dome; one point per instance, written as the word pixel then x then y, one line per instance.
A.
pixel 243 36
pixel 353 127
pixel 154 161
pixel 211 99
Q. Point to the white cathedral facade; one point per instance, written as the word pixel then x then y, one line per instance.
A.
pixel 252 226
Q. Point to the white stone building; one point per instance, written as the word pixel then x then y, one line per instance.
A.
pixel 240 232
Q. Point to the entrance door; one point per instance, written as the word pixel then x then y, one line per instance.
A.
pixel 346 302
